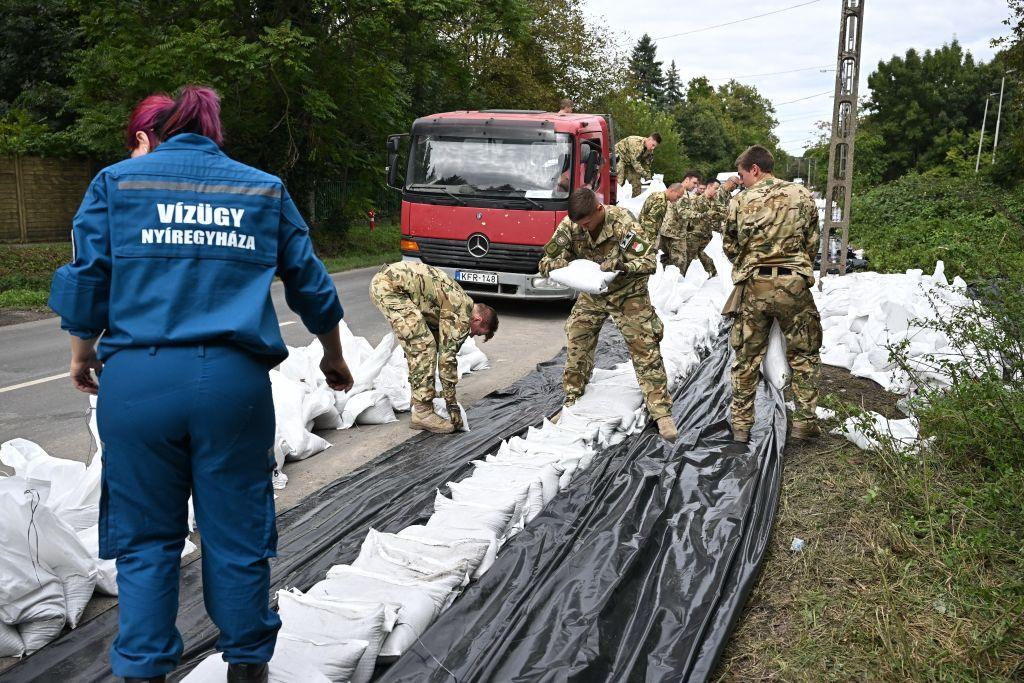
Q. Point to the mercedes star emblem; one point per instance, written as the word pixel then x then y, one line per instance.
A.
pixel 477 245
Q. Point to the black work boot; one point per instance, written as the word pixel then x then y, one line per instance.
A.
pixel 247 673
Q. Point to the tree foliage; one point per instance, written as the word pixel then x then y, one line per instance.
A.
pixel 645 69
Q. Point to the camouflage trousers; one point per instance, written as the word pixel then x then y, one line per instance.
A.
pixel 633 178
pixel 679 251
pixel 640 326
pixel 418 341
pixel 786 298
pixel 695 245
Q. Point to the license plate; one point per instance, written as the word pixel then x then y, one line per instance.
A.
pixel 478 278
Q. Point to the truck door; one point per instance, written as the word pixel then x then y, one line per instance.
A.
pixel 599 183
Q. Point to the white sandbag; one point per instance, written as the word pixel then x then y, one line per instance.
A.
pixel 369 407
pixel 292 441
pixel 295 659
pixel 584 275
pixel 318 409
pixel 67 487
pixel 106 570
pixel 31 595
pixel 11 644
pixel 394 382
pixel 396 562
pixel 476 492
pixel 547 474
pixel 775 367
pixel 441 408
pixel 449 514
pixel 60 551
pixel 899 434
pixel 419 603
pixel 469 551
pixel 366 372
pixel 334 621
pixel 456 535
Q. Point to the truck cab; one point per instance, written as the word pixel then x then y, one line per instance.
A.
pixel 484 190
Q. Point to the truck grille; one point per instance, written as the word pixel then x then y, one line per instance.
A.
pixel 506 258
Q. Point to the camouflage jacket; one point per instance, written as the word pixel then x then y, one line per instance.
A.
pixel 695 216
pixel 653 214
pixel 634 156
pixel 446 309
pixel 620 239
pixel 773 223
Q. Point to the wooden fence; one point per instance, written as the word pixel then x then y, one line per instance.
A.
pixel 39 197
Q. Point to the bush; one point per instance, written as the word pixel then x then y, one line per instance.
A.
pixel 913 222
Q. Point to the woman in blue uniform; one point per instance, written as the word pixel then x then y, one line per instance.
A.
pixel 174 255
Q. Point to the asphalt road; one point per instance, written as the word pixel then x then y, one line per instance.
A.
pixel 38 403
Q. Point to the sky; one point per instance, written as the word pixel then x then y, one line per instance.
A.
pixel 804 38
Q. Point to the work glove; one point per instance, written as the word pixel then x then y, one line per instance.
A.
pixel 455 415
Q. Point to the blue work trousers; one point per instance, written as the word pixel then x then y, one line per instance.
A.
pixel 173 421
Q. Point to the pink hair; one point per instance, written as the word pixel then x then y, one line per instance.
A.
pixel 144 118
pixel 196 110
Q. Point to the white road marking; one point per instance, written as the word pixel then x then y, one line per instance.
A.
pixel 33 382
pixel 43 380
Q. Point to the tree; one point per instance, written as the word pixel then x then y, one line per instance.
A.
pixel 673 94
pixel 922 106
pixel 645 69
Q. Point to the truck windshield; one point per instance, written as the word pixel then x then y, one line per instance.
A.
pixel 526 168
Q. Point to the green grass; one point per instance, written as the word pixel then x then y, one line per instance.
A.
pixel 913 571
pixel 359 247
pixel 26 271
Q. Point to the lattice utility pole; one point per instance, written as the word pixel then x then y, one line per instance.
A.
pixel 840 151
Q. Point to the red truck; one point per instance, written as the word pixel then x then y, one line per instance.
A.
pixel 484 190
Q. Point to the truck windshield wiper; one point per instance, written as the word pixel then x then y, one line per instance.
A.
pixel 437 187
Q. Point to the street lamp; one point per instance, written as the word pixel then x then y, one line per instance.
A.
pixel 981 137
pixel 999 114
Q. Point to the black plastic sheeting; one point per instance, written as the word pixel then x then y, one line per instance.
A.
pixel 389 493
pixel 639 571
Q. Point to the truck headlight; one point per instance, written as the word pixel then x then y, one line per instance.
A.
pixel 546 283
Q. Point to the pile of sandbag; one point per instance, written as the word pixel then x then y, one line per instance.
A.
pixel 303 403
pixel 862 314
pixel 635 204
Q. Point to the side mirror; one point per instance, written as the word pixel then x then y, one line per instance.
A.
pixel 392 167
pixel 591 158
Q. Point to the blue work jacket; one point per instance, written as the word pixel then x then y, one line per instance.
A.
pixel 180 246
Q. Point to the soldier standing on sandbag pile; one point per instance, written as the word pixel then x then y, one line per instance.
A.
pixel 771 236
pixel 675 224
pixel 431 316
pixel 634 156
pixel 652 215
pixel 609 235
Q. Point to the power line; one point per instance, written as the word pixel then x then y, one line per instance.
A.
pixel 770 73
pixel 801 99
pixel 738 21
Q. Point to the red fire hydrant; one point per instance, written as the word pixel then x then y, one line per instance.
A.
pixel 373 219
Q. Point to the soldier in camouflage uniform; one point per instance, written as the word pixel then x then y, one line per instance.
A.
pixel 609 235
pixel 635 155
pixel 431 316
pixel 674 226
pixel 771 236
pixel 653 212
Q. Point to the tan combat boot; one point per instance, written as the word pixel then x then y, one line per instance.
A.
pixel 802 431
pixel 424 417
pixel 740 435
pixel 667 428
